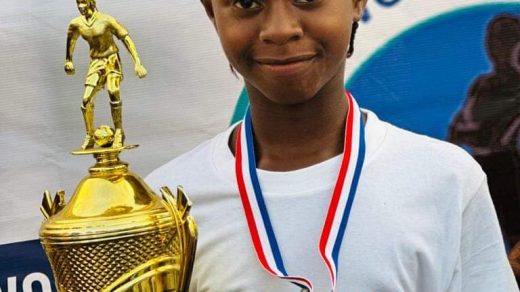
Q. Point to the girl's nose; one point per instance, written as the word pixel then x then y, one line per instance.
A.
pixel 281 24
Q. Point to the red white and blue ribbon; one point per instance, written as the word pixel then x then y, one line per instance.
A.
pixel 333 231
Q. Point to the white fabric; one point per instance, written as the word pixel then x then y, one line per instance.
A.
pixel 422 219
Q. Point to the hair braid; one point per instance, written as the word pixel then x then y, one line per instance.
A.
pixel 355 26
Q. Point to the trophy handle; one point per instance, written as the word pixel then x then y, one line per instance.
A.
pixel 180 206
pixel 49 206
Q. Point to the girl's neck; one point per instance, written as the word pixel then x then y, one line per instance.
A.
pixel 289 137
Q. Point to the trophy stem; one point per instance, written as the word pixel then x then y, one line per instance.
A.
pixel 108 162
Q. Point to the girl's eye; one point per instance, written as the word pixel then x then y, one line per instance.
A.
pixel 247 4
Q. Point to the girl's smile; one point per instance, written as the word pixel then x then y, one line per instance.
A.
pixel 286 65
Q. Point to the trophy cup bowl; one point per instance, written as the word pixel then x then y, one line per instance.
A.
pixel 115 234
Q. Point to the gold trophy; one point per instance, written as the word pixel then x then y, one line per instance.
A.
pixel 114 234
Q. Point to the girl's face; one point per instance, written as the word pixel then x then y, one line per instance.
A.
pixel 286 50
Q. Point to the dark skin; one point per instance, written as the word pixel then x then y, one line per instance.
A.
pixel 514 260
pixel 286 139
pixel 293 67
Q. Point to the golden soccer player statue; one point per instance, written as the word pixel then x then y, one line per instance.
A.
pixel 99 29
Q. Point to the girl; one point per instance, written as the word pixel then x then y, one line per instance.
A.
pixel 309 192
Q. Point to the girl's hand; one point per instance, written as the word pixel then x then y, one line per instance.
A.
pixel 514 259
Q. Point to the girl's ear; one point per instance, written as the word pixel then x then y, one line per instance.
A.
pixel 208 6
pixel 359 7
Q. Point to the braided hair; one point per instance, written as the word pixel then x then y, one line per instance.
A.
pixel 355 26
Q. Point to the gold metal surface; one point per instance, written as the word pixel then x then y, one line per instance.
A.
pixel 98 30
pixel 115 233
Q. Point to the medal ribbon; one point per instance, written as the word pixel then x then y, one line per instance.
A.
pixel 334 227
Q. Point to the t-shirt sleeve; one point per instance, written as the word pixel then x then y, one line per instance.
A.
pixel 117 28
pixel 484 261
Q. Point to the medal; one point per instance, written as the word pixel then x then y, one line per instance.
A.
pixel 335 224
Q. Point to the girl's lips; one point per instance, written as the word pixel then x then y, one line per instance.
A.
pixel 285 66
pixel 284 60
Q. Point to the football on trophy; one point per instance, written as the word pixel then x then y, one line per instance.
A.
pixel 104 136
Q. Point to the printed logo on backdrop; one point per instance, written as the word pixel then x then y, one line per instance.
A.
pixel 457 77
pixel 420 80
pixel 24 267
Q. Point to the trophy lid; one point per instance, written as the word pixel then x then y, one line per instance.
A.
pixel 111 202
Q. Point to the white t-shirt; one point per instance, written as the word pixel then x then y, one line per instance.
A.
pixel 422 219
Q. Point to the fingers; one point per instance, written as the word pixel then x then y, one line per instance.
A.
pixel 514 259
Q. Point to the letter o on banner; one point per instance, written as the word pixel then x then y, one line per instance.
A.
pixel 36 277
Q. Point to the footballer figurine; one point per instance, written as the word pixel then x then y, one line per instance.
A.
pixel 99 29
